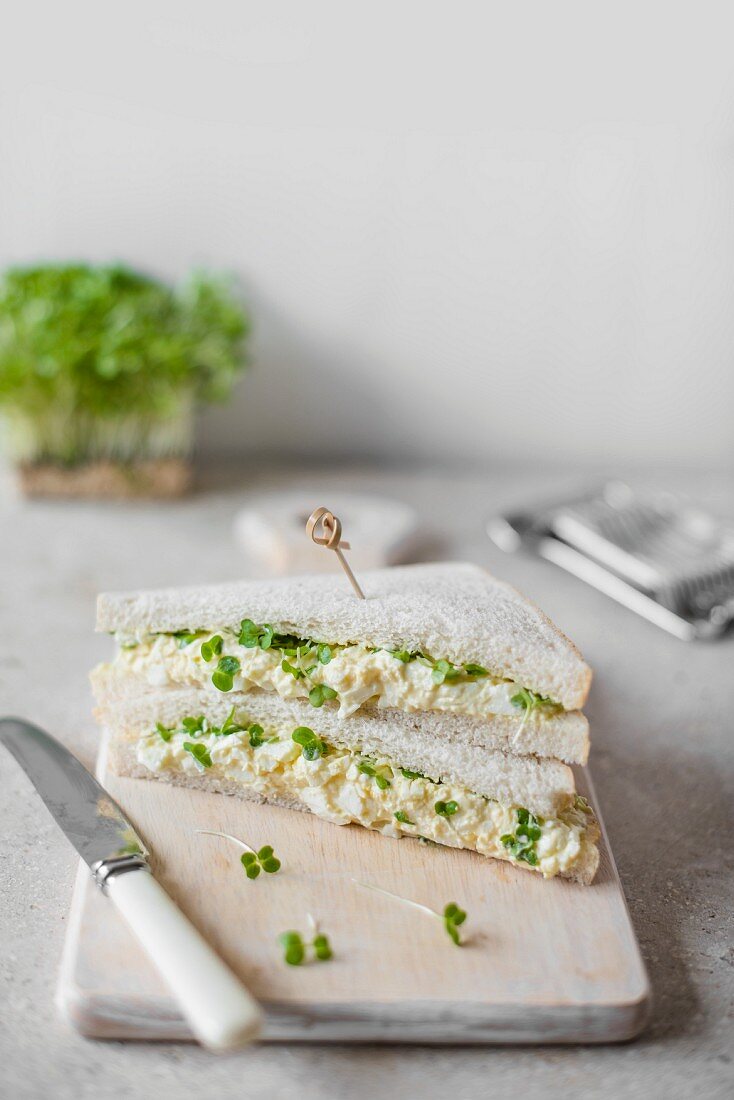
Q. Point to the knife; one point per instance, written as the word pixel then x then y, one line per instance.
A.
pixel 221 1013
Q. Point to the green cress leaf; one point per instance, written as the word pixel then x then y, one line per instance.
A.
pixel 249 634
pixel 263 860
pixel 212 648
pixel 403 655
pixel 194 726
pixel 256 738
pixel 294 949
pixel 369 769
pixel 453 916
pixel 324 654
pixel 251 865
pixel 184 638
pixel 199 752
pixel 302 735
pixel 268 860
pixel 523 699
pixel 402 817
pixel 312 746
pixel 528 700
pixel 165 733
pixel 223 677
pixel 230 665
pixel 322 947
pixel 295 672
pixel 476 670
pixel 444 670
pixel 266 637
pixel 446 809
pixel 408 774
pixel 230 725
pixel 319 693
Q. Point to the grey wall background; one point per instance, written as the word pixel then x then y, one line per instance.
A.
pixel 466 230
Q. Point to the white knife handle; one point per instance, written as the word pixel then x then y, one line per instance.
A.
pixel 218 1008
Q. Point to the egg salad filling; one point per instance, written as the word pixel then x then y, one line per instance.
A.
pixel 342 786
pixel 350 676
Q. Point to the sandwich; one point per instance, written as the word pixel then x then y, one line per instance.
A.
pixel 444 706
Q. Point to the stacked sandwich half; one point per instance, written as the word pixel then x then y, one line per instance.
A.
pixel 442 706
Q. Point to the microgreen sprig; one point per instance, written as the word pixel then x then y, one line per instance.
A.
pixel 312 745
pixel 319 693
pixel 476 670
pixel 408 774
pixel 255 736
pixel 446 809
pixel 199 752
pixel 166 734
pixel 521 843
pixel 194 726
pixel 451 917
pixel 402 817
pixel 252 635
pixel 444 671
pixel 378 774
pixel 296 672
pixel 529 700
pixel 264 859
pixel 226 670
pixel 295 948
pixel 184 638
pixel 212 648
pixel 403 655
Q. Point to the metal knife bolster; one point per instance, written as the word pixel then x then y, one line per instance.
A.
pixel 105 869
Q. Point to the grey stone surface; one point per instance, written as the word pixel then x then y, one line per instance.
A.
pixel 662 715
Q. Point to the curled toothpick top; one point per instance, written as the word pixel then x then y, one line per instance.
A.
pixel 326 530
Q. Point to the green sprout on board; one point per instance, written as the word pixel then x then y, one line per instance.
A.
pixel 451 917
pixel 253 861
pixel 296 949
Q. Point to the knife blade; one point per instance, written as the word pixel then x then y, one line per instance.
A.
pixel 218 1008
pixel 91 819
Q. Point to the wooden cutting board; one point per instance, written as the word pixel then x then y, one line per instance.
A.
pixel 544 961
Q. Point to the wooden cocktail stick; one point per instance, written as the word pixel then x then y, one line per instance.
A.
pixel 326 530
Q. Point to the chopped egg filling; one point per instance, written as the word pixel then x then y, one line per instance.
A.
pixel 354 675
pixel 338 785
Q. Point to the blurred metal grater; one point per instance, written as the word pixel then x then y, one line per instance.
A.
pixel 659 555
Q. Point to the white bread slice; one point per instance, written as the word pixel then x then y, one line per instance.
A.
pixel 563 736
pixel 450 610
pixel 123 761
pixel 427 743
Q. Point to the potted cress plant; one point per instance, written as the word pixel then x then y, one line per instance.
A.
pixel 101 369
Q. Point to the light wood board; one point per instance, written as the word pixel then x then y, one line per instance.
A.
pixel 544 961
